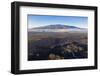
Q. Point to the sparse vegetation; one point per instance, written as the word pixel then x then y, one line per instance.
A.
pixel 55 46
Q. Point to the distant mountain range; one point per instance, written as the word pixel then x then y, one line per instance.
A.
pixel 57 28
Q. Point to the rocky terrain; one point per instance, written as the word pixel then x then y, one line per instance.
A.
pixel 57 45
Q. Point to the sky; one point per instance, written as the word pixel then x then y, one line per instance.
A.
pixel 43 20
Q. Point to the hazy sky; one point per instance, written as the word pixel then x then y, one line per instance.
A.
pixel 43 20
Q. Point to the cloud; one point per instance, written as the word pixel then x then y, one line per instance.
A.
pixel 31 26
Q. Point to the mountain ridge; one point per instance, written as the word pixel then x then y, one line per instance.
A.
pixel 57 26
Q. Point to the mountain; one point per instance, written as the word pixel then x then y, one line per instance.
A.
pixel 57 26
